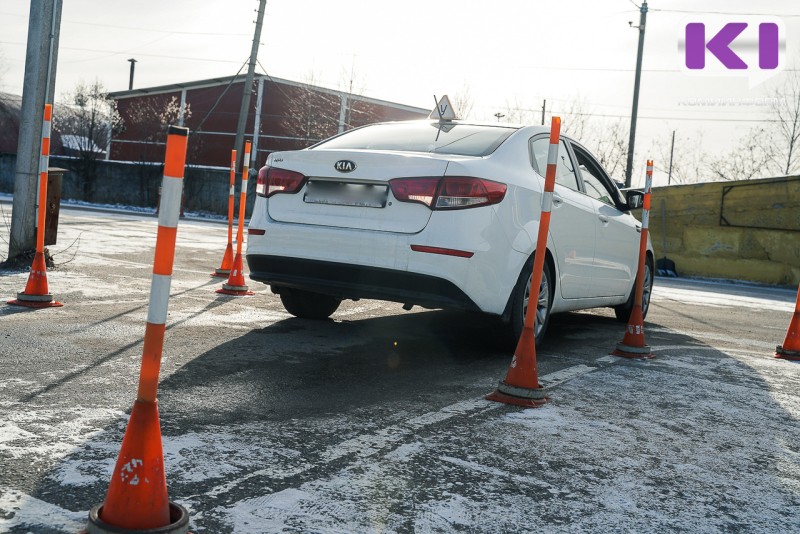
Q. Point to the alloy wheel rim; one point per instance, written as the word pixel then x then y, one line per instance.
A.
pixel 541 306
pixel 647 288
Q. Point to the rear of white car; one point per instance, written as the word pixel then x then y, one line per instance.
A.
pixel 405 227
pixel 436 214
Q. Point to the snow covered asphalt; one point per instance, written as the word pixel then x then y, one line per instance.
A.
pixel 375 421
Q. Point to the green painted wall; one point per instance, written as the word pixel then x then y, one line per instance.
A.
pixel 746 230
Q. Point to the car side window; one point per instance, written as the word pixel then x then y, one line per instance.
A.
pixel 596 187
pixel 565 171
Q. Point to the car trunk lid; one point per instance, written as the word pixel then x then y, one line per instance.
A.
pixel 350 189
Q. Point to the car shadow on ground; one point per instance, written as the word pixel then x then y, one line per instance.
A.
pixel 283 395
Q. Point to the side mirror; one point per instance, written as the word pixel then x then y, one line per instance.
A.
pixel 634 199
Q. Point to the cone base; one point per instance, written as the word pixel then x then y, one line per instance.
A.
pixel 235 292
pixel 785 354
pixel 137 495
pixel 519 396
pixel 499 396
pixel 35 303
pixel 221 273
pixel 632 352
pixel 178 516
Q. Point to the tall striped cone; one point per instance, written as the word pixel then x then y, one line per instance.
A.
pixel 137 494
pixel 521 386
pixel 633 344
pixel 236 285
pixel 790 349
pixel 227 258
pixel 37 293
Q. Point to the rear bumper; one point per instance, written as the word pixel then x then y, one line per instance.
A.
pixel 355 263
pixel 357 281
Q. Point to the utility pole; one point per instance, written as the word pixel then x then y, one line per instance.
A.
pixel 499 116
pixel 133 66
pixel 671 152
pixel 544 103
pixel 38 88
pixel 635 111
pixel 248 85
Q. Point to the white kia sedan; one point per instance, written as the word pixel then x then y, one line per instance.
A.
pixel 443 214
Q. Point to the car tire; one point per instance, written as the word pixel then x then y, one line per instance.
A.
pixel 519 302
pixel 623 311
pixel 308 305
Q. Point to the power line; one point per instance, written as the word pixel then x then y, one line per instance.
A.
pixel 170 32
pixel 700 119
pixel 199 127
pixel 135 28
pixel 690 11
pixel 123 52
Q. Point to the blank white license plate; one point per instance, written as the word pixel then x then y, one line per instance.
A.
pixel 346 194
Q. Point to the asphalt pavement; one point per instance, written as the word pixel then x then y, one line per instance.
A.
pixel 374 421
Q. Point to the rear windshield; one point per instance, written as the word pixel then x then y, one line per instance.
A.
pixel 446 138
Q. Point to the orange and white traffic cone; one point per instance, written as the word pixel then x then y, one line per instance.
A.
pixel 521 386
pixel 137 495
pixel 137 499
pixel 790 349
pixel 633 344
pixel 227 263
pixel 236 285
pixel 227 258
pixel 37 294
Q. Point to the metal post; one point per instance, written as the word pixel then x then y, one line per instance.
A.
pixel 343 103
pixel 635 110
pixel 248 84
pixel 257 123
pixel 133 66
pixel 38 89
pixel 182 110
pixel 544 103
pixel 671 152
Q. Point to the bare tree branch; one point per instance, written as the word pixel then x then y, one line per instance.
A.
pixel 311 115
pixel 86 119
pixel 149 119
pixel 689 163
pixel 749 159
pixel 785 108
pixel 462 102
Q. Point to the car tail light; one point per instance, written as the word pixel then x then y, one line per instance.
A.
pixel 272 180
pixel 421 190
pixel 457 192
pixel 448 193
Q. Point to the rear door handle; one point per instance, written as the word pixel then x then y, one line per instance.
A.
pixel 603 219
pixel 557 200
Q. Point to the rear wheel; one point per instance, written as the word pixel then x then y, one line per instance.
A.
pixel 308 305
pixel 522 298
pixel 623 311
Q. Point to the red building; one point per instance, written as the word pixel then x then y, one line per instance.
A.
pixel 283 115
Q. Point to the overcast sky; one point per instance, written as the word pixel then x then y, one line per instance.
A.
pixel 506 53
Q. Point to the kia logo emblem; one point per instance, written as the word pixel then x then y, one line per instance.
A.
pixel 344 165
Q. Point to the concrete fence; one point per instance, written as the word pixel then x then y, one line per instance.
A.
pixel 136 184
pixel 747 230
